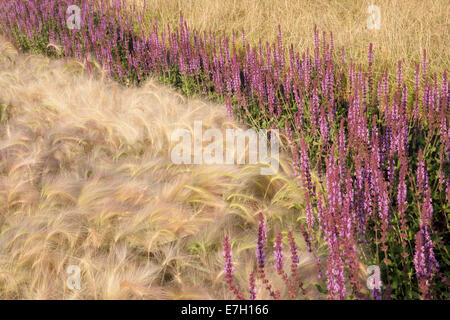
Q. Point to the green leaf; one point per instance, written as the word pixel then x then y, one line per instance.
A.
pixel 320 289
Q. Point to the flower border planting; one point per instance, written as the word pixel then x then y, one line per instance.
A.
pixel 381 151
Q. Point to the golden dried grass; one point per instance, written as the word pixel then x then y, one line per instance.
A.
pixel 407 27
pixel 86 179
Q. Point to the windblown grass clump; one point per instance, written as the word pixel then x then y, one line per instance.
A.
pixel 86 179
pixel 381 148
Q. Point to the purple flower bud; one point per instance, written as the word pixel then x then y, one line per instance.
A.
pixel 278 253
pixel 227 254
pixel 293 248
pixel 262 236
pixel 252 289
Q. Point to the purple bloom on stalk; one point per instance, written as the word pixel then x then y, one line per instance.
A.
pixel 227 254
pixel 295 160
pixel 261 258
pixel 433 265
pixel 323 125
pixel 401 196
pixel 426 97
pixel 351 77
pixel 422 176
pixel 376 294
pixel 299 103
pixel 427 208
pixel 383 211
pixel 306 237
pixel 419 256
pixel 288 131
pixel 361 202
pixel 278 253
pixel 293 248
pixel 321 216
pixel 380 92
pixel 316 37
pixel 314 108
pixel 309 213
pixel 262 236
pixel 335 271
pixel 252 289
pixel 444 99
pixel 385 85
pixel 307 71
pixel 229 269
pixel 319 269
pixel 304 164
pixel 342 149
pixel 334 193
pixel 364 89
pixel 425 263
pixel 295 260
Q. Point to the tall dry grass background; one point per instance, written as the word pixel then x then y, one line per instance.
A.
pixel 86 179
pixel 407 27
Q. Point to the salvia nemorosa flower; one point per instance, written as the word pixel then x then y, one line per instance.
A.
pixel 306 237
pixel 278 253
pixel 261 257
pixel 422 175
pixel 295 160
pixel 376 293
pixel 323 125
pixel 314 108
pixel 335 271
pixel 252 288
pixel 262 236
pixel 304 165
pixel 299 103
pixel 321 215
pixel 401 198
pixel 425 263
pixel 309 212
pixel 293 248
pixel 294 265
pixel 279 259
pixel 229 268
